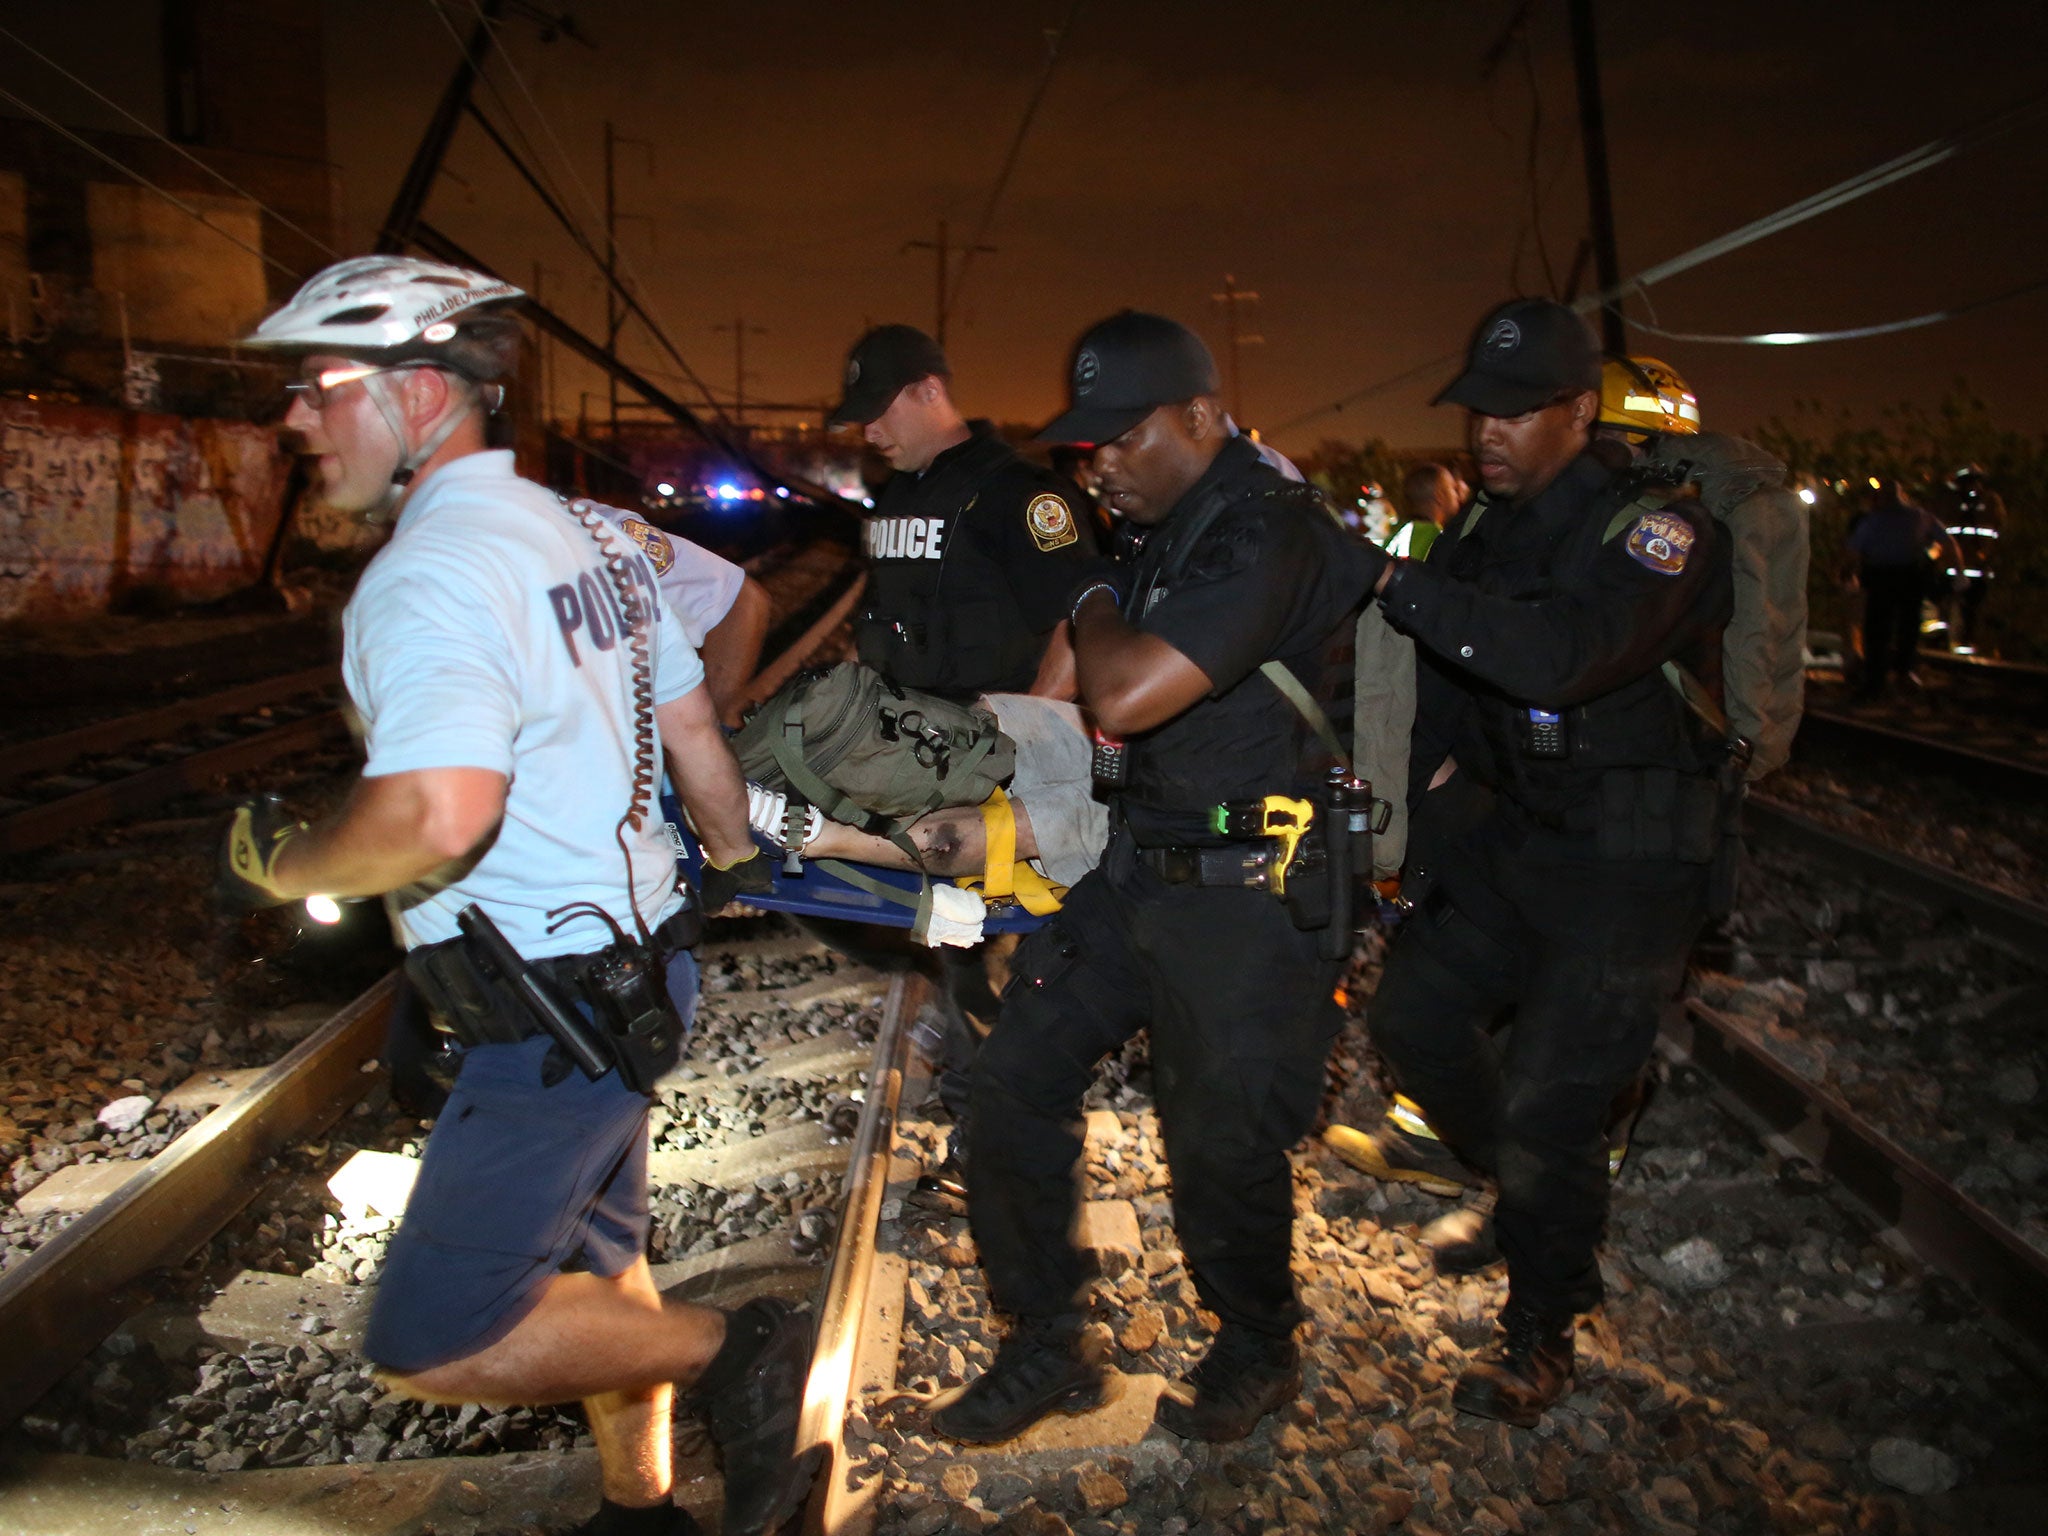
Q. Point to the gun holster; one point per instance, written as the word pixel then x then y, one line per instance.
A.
pixel 632 1024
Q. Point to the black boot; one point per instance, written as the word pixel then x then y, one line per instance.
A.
pixel 943 1186
pixel 1522 1372
pixel 1045 1365
pixel 751 1401
pixel 663 1519
pixel 1244 1377
pixel 1462 1242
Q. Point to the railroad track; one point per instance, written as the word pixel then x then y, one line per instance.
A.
pixel 1976 720
pixel 904 1318
pixel 114 1231
pixel 755 1122
pixel 2017 778
pixel 116 768
pixel 62 784
pixel 1788 1097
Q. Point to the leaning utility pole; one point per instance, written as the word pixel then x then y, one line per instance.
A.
pixel 614 310
pixel 943 254
pixel 411 198
pixel 740 332
pixel 1599 201
pixel 1230 298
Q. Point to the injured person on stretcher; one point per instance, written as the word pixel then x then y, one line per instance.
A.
pixel 1049 809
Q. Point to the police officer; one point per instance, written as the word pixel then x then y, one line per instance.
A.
pixel 1567 807
pixel 1178 930
pixel 972 552
pixel 512 672
pixel 972 555
pixel 1898 546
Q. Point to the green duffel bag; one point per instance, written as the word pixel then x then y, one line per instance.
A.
pixel 870 754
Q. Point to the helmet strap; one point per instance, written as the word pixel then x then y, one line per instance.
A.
pixel 409 458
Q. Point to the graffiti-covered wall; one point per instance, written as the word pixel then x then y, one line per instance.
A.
pixel 96 503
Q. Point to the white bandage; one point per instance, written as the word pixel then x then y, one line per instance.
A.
pixel 956 917
pixel 768 809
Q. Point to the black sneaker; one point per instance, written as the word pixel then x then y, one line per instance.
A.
pixel 613 1520
pixel 1044 1366
pixel 754 1419
pixel 943 1187
pixel 1462 1242
pixel 1522 1372
pixel 1244 1377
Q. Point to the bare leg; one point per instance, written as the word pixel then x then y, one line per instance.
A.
pixel 953 842
pixel 612 1343
pixel 632 1428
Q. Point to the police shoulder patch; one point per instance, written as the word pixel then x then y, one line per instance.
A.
pixel 1051 521
pixel 1661 541
pixel 653 543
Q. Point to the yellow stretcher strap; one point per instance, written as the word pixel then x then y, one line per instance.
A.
pixel 1003 873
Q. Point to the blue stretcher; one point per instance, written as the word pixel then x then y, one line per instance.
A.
pixel 818 892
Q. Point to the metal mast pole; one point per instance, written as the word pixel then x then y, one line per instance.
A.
pixel 411 198
pixel 1230 298
pixel 611 270
pixel 1599 200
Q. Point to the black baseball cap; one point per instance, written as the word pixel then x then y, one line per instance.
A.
pixel 880 364
pixel 1523 356
pixel 1125 368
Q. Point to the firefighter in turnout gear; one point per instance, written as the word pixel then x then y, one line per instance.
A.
pixel 1568 813
pixel 972 552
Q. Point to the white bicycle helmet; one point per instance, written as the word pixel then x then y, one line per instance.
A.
pixel 383 305
pixel 401 310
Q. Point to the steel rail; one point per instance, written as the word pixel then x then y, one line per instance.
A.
pixel 1989 666
pixel 784 667
pixel 52 752
pixel 845 1312
pixel 1938 1222
pixel 2003 776
pixel 42 824
pixel 2009 921
pixel 57 1304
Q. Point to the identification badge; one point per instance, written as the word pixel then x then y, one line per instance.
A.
pixel 1051 521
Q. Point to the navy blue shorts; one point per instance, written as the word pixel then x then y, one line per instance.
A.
pixel 517 1183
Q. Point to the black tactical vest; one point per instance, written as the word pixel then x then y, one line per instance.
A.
pixel 939 614
pixel 1633 767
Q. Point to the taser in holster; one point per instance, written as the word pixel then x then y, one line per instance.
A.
pixel 1276 816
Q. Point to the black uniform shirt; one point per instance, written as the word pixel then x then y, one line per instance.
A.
pixel 971 564
pixel 1536 606
pixel 1271 577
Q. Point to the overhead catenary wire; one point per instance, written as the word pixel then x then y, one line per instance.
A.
pixel 1925 157
pixel 144 182
pixel 171 144
pixel 1853 333
pixel 988 213
pixel 589 202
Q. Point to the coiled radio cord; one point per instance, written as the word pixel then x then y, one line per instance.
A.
pixel 633 624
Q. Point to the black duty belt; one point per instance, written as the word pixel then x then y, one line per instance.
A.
pixel 1244 865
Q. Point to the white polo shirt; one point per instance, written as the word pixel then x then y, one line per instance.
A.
pixel 486 634
pixel 700 586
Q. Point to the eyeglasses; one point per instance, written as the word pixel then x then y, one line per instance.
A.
pixel 317 390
